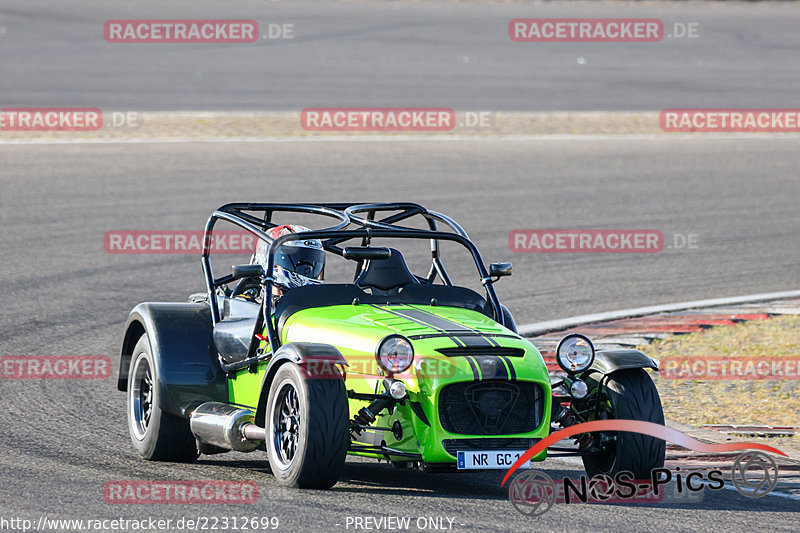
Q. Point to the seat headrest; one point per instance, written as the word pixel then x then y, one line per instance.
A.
pixel 386 274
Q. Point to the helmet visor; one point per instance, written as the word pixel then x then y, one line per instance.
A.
pixel 308 262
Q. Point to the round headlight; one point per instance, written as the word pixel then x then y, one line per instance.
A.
pixel 579 389
pixel 575 353
pixel 397 390
pixel 395 354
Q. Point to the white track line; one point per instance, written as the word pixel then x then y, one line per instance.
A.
pixel 565 323
pixel 411 138
pixel 777 494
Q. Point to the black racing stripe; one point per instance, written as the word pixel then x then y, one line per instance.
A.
pixel 433 321
pixel 403 314
pixel 474 368
pixel 475 341
pixel 424 320
pixel 443 324
pixel 491 367
pixel 512 373
pixel 461 327
pixel 491 341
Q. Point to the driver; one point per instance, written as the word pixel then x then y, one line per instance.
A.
pixel 297 263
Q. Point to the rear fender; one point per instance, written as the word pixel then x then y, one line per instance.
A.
pixel 183 352
pixel 316 358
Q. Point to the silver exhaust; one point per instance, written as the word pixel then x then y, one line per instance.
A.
pixel 226 426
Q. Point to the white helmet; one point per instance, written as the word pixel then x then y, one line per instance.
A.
pixel 297 263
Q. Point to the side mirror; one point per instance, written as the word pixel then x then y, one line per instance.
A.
pixel 359 253
pixel 247 271
pixel 498 270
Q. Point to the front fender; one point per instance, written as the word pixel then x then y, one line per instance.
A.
pixel 183 351
pixel 299 353
pixel 608 361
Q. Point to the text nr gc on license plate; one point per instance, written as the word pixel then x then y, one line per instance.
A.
pixel 490 459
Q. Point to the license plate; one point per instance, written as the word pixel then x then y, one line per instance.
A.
pixel 490 460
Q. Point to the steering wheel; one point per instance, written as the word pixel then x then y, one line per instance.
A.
pixel 244 285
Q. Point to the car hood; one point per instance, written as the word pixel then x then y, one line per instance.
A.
pixel 356 330
pixel 370 323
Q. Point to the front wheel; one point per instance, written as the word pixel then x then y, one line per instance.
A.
pixel 307 429
pixel 629 395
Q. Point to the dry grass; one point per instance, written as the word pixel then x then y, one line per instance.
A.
pixel 768 403
pixel 242 124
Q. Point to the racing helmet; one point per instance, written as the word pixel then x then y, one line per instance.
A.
pixel 297 263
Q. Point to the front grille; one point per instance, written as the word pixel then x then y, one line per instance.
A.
pixel 453 446
pixel 491 407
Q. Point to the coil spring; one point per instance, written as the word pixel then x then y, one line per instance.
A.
pixel 566 418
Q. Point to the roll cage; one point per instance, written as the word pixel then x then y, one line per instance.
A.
pixel 361 219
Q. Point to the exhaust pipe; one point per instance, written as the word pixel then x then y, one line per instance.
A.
pixel 226 426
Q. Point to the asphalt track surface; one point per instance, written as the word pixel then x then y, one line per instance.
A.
pixel 62 294
pixel 394 53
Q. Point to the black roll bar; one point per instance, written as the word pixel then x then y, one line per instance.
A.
pixel 347 215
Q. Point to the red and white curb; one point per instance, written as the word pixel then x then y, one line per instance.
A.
pixel 769 300
pixel 629 328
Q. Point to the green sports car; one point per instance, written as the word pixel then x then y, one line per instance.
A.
pixel 397 366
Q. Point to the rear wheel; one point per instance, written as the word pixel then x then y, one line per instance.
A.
pixel 156 434
pixel 307 429
pixel 629 395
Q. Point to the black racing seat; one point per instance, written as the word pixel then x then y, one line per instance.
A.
pixel 387 276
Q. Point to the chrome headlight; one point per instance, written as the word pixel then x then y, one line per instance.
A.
pixel 575 353
pixel 397 390
pixel 395 354
pixel 579 389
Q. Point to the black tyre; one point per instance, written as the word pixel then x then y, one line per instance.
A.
pixel 631 395
pixel 307 429
pixel 156 434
